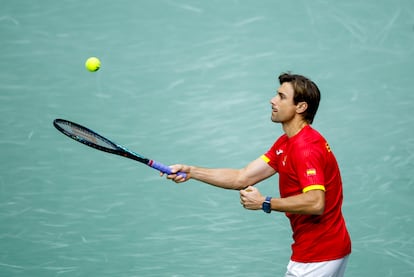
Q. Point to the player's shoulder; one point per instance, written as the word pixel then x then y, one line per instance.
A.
pixel 309 138
pixel 281 140
pixel 309 133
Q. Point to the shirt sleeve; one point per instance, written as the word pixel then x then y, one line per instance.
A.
pixel 271 158
pixel 310 167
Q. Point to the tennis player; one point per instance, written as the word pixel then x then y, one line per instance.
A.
pixel 310 183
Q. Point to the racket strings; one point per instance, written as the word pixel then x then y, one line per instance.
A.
pixel 86 136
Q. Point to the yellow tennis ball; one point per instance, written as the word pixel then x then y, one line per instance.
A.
pixel 93 64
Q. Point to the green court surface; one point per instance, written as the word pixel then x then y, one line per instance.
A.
pixel 187 81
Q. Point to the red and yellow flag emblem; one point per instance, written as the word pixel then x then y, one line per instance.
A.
pixel 311 172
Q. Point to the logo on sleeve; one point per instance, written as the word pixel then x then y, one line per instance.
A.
pixel 311 172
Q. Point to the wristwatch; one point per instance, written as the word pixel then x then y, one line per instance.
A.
pixel 266 207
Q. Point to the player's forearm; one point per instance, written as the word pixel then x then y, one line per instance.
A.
pixel 312 202
pixel 224 177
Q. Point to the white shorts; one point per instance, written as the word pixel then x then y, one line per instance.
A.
pixel 334 268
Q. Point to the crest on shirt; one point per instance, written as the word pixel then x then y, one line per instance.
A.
pixel 284 160
pixel 310 172
pixel 279 151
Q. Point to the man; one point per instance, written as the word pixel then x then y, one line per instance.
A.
pixel 310 183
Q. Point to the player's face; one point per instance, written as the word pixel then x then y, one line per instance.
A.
pixel 283 107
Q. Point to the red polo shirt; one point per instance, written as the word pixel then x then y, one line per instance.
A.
pixel 305 162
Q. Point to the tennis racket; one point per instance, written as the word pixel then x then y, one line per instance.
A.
pixel 90 138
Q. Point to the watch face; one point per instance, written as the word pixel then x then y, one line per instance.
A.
pixel 266 207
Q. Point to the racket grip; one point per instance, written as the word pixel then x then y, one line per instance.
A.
pixel 164 168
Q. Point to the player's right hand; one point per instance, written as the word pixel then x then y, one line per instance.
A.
pixel 178 168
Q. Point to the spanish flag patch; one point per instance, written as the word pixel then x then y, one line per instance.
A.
pixel 311 172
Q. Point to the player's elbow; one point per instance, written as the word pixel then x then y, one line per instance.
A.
pixel 318 208
pixel 316 201
pixel 242 182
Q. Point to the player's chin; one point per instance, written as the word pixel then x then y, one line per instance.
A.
pixel 275 119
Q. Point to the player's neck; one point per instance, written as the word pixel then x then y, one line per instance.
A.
pixel 293 127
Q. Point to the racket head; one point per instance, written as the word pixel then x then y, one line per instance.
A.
pixel 90 138
pixel 86 136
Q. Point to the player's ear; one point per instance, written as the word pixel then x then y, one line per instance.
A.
pixel 301 107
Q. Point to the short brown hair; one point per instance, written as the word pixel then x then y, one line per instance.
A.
pixel 304 91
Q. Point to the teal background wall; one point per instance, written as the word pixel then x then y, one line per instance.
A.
pixel 189 82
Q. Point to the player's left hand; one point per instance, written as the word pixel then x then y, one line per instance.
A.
pixel 251 198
